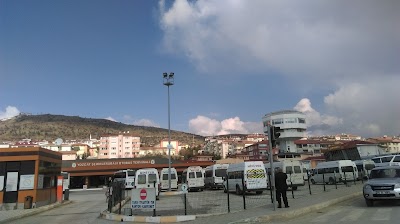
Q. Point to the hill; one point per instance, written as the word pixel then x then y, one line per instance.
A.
pixel 50 127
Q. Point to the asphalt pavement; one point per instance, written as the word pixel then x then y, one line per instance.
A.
pixel 298 206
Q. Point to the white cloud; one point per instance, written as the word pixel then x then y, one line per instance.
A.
pixel 314 117
pixel 205 126
pixel 110 119
pixel 355 55
pixel 146 122
pixel 9 113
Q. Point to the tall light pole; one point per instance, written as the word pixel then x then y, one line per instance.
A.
pixel 169 81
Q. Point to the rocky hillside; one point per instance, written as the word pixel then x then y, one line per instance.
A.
pixel 50 127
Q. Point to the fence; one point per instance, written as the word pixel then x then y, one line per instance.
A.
pixel 116 193
pixel 211 201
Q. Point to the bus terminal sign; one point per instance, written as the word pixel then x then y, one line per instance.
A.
pixel 143 198
pixel 111 163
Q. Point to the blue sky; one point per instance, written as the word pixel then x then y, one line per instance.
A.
pixel 233 60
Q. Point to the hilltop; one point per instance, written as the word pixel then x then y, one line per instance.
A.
pixel 50 127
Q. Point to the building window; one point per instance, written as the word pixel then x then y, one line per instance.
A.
pixel 277 121
pixel 302 120
pixel 290 120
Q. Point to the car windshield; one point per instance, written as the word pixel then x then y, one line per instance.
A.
pixel 385 173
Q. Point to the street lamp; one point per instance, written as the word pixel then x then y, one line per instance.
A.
pixel 169 81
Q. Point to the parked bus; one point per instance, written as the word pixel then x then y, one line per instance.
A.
pixel 387 160
pixel 364 167
pixel 340 170
pixel 214 176
pixel 148 178
pixel 253 174
pixel 127 177
pixel 193 176
pixel 293 169
pixel 164 179
pixel 66 178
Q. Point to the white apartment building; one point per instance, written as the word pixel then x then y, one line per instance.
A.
pixel 119 146
pixel 292 124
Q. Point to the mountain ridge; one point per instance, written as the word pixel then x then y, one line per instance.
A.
pixel 50 127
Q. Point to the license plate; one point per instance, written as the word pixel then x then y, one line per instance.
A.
pixel 383 192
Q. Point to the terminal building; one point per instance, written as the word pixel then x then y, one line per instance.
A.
pixel 30 173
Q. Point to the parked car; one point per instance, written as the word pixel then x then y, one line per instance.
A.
pixel 383 184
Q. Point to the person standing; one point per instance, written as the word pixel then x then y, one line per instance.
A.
pixel 281 188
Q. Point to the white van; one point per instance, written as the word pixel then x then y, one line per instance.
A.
pixel 127 177
pixel 253 174
pixel 148 178
pixel 164 179
pixel 364 167
pixel 293 170
pixel 387 160
pixel 214 176
pixel 193 176
pixel 340 170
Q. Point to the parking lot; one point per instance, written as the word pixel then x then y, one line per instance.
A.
pixel 216 201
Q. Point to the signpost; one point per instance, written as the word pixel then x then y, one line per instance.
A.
pixel 143 198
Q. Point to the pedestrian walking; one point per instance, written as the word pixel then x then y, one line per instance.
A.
pixel 281 188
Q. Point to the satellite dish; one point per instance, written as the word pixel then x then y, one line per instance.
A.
pixel 59 141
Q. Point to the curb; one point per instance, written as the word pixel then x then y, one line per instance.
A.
pixel 143 219
pixel 37 211
pixel 303 211
pixel 148 219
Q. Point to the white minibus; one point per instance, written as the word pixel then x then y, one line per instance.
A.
pixel 340 170
pixel 214 176
pixel 164 179
pixel 127 177
pixel 253 175
pixel 194 178
pixel 293 170
pixel 387 160
pixel 148 178
pixel 364 167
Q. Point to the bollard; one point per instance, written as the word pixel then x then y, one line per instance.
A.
pixel 244 193
pixel 334 176
pixel 308 180
pixel 270 187
pixel 291 183
pixel 323 179
pixel 154 210
pixel 227 192
pixel 184 198
pixel 120 197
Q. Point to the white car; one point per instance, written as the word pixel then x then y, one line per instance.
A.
pixel 383 184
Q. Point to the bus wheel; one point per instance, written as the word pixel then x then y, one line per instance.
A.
pixel 294 188
pixel 331 181
pixel 259 192
pixel 312 181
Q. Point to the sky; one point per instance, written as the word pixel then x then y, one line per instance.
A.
pixel 234 61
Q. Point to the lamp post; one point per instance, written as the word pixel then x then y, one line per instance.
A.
pixel 169 81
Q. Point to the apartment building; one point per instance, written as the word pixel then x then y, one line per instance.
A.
pixel 119 146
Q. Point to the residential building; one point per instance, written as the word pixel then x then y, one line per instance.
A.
pixel 119 146
pixel 292 126
pixel 391 145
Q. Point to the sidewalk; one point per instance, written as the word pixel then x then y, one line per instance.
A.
pixel 9 215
